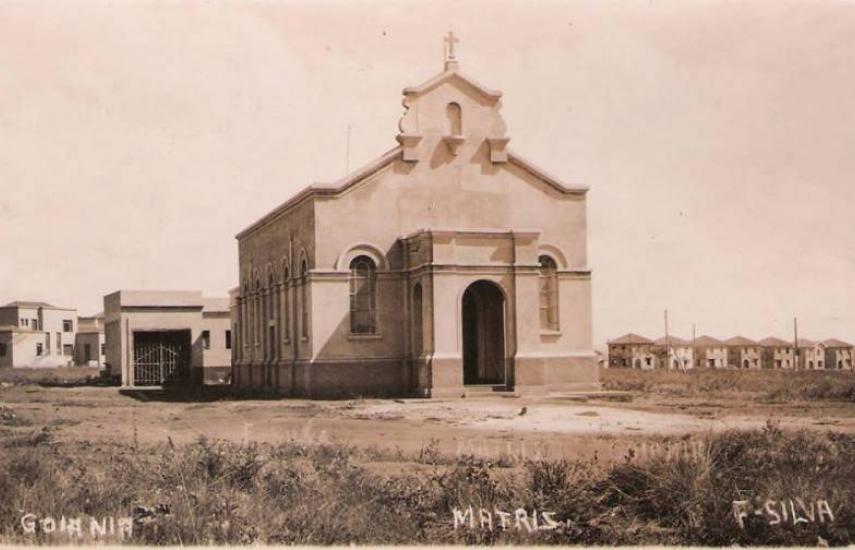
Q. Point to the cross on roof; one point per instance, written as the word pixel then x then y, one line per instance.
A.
pixel 450 40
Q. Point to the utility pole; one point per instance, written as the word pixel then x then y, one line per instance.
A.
pixel 668 361
pixel 796 343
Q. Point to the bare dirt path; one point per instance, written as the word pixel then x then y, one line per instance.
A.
pixel 488 426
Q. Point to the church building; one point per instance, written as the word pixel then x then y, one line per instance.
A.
pixel 447 266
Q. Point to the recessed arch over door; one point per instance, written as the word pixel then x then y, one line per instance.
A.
pixel 483 317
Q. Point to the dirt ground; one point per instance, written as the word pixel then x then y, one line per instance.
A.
pixel 525 427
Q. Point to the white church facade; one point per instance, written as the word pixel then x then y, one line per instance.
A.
pixel 447 265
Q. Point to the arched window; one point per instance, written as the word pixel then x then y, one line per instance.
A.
pixel 286 309
pixel 363 299
pixel 548 280
pixel 455 119
pixel 256 311
pixel 304 299
pixel 270 319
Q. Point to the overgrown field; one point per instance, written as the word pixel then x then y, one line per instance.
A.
pixel 678 491
pixel 772 386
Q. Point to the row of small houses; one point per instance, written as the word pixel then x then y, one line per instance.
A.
pixel 634 351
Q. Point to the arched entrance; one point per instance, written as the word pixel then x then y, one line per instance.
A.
pixel 483 334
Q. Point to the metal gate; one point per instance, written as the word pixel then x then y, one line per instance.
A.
pixel 160 357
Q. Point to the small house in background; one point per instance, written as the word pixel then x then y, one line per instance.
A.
pixel 632 351
pixel 710 352
pixel 674 353
pixel 777 353
pixel 89 347
pixel 743 353
pixel 36 335
pixel 167 338
pixel 811 355
pixel 838 354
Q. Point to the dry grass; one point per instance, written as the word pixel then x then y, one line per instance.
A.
pixel 59 376
pixel 216 492
pixel 771 386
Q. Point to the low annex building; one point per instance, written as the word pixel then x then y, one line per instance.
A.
pixel 161 338
pixel 89 345
pixel 36 334
pixel 447 263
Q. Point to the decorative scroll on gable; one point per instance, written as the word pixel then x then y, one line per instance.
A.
pixel 454 112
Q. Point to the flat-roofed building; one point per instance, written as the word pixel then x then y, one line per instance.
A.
pixel 674 353
pixel 36 334
pixel 777 353
pixel 631 351
pixel 158 338
pixel 710 352
pixel 743 353
pixel 89 347
pixel 838 354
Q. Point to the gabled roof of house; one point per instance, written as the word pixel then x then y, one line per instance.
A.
pixel 674 341
pixel 835 343
pixel 631 338
pixel 773 342
pixel 740 341
pixel 707 341
pixel 805 343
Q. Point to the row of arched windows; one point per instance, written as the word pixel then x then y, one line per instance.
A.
pixel 267 310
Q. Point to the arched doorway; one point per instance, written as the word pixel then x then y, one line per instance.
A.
pixel 483 334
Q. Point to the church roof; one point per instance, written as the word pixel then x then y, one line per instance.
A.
pixel 326 189
pixel 445 76
pixel 381 162
pixel 542 174
pixel 450 73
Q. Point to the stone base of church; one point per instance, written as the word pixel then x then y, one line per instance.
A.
pixel 437 377
pixel 326 379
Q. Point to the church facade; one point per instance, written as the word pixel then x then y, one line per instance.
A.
pixel 448 265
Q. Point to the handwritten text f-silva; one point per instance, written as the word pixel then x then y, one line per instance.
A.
pixel 518 520
pixel 777 512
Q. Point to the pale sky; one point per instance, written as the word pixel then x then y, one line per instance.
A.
pixel 718 139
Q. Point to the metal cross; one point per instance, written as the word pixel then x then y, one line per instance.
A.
pixel 450 40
